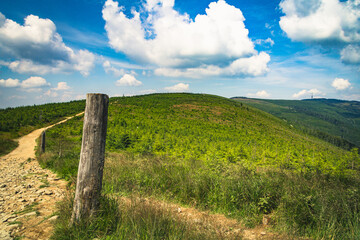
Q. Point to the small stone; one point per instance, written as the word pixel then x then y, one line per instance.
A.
pixel 8 218
pixel 40 192
pixel 48 192
pixel 263 233
pixel 13 227
pixel 12 219
pixel 53 218
pixel 29 214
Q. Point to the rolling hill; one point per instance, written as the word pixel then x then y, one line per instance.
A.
pixel 218 155
pixel 336 121
pixel 208 152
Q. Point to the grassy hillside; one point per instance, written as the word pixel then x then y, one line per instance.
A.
pixel 19 121
pixel 217 154
pixel 335 121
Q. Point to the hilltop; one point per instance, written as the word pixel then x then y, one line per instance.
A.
pixel 335 121
pixel 213 154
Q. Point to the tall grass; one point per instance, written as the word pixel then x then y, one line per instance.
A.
pixel 7 145
pixel 309 204
pixel 313 204
pixel 134 220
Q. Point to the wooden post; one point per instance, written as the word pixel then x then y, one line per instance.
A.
pixel 92 156
pixel 42 145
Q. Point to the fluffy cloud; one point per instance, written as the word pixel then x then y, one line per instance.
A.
pixel 31 84
pixel 128 80
pixel 252 66
pixel 9 82
pixel 321 20
pixel 341 84
pixel 180 87
pixel 351 54
pixel 83 61
pixel 61 86
pixel 212 44
pixel 259 94
pixel 308 93
pixel 37 47
pixel 34 82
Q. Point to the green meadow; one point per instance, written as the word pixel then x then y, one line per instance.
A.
pixel 201 151
pixel 212 154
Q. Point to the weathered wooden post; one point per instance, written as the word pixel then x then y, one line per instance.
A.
pixel 42 144
pixel 92 156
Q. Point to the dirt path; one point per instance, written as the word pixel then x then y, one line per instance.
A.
pixel 28 193
pixel 222 227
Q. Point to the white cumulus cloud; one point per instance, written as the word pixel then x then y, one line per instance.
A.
pixel 259 94
pixel 321 20
pixel 61 86
pixel 180 87
pixel 340 84
pixel 351 54
pixel 128 80
pixel 252 66
pixel 9 82
pixel 215 43
pixel 34 82
pixel 30 83
pixel 308 93
pixel 36 47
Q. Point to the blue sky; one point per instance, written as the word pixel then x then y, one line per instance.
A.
pixel 53 51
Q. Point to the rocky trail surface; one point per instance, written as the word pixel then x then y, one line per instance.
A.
pixel 28 193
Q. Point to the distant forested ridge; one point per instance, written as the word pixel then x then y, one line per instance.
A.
pixel 335 121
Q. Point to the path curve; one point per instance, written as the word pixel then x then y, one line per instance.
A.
pixel 28 193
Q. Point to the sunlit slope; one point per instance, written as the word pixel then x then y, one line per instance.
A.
pixel 324 118
pixel 214 130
